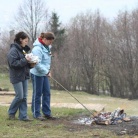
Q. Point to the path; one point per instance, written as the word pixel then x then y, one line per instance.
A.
pixel 5 100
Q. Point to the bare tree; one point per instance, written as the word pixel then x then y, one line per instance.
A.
pixel 4 48
pixel 82 53
pixel 121 57
pixel 31 16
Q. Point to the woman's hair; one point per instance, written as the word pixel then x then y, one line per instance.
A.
pixel 48 36
pixel 20 35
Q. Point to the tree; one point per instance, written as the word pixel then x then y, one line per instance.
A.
pixel 4 48
pixel 55 27
pixel 30 15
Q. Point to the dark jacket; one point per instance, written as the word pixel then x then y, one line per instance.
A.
pixel 18 65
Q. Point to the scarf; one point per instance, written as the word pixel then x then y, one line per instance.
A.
pixel 47 47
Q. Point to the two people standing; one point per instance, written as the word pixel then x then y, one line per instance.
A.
pixel 19 67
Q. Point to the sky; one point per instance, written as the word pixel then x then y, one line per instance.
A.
pixel 66 9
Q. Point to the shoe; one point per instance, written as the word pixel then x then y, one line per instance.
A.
pixel 40 118
pixel 27 119
pixel 50 117
pixel 11 117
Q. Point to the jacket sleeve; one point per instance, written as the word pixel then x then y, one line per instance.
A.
pixel 15 61
pixel 37 51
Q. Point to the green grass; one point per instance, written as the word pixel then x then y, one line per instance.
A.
pixel 110 103
pixel 49 129
pixel 5 82
pixel 20 129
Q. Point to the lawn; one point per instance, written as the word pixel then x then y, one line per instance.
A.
pixel 60 128
pixel 64 126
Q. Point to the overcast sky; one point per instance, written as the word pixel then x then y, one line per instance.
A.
pixel 66 9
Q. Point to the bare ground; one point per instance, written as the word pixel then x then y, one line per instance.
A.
pixel 129 128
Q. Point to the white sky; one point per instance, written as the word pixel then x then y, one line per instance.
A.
pixel 66 9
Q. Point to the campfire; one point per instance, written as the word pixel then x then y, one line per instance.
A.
pixel 106 118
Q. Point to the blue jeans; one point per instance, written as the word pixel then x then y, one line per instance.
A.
pixel 41 93
pixel 20 100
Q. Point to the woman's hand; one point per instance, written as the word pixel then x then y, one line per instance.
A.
pixel 49 74
pixel 32 64
pixel 28 57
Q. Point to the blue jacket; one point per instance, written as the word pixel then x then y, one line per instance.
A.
pixel 43 67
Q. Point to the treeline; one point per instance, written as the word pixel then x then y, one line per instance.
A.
pixel 92 54
pixel 99 56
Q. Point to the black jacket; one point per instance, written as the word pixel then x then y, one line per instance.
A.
pixel 18 65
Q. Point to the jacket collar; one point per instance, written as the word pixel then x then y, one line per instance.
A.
pixel 26 48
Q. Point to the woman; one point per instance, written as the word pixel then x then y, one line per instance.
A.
pixel 19 75
pixel 40 74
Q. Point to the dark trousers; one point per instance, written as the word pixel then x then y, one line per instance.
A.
pixel 40 96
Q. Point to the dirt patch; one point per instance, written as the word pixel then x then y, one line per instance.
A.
pixel 129 128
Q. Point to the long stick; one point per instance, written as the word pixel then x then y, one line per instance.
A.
pixel 72 95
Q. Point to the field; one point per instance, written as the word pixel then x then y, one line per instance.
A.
pixel 67 109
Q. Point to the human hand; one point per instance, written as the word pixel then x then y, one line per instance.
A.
pixel 49 74
pixel 32 64
pixel 28 57
pixel 32 58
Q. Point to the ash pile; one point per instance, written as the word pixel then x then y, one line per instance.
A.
pixel 106 118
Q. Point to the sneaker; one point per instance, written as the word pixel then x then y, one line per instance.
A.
pixel 11 117
pixel 40 118
pixel 27 119
pixel 50 117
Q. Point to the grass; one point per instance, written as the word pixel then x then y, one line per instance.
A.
pixel 110 103
pixel 20 129
pixel 47 129
pixel 50 129
pixel 4 81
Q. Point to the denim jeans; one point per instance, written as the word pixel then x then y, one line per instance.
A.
pixel 20 100
pixel 41 93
